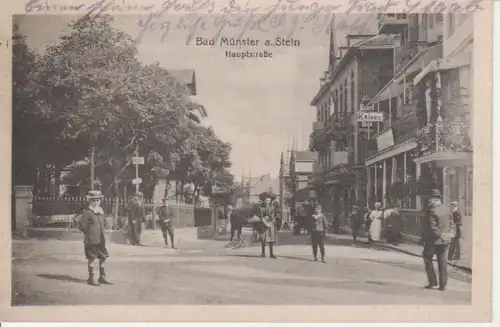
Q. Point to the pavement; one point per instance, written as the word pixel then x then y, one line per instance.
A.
pixel 54 272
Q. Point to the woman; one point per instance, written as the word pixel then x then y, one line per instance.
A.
pixel 375 218
pixel 92 226
pixel 267 224
pixel 393 224
pixel 454 251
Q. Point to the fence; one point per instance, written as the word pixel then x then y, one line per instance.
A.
pixel 59 211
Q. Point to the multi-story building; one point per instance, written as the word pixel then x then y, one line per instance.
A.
pixel 445 142
pixel 390 149
pixel 425 137
pixel 357 71
pixel 301 169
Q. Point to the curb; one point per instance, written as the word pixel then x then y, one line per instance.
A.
pixel 386 246
pixel 395 248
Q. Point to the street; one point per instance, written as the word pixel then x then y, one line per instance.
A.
pixel 205 272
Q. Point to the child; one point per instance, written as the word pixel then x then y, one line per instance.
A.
pixel 318 232
pixel 92 226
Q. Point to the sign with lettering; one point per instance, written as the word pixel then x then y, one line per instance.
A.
pixel 138 160
pixel 137 181
pixel 371 117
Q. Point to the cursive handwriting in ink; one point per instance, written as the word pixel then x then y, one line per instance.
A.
pixel 40 5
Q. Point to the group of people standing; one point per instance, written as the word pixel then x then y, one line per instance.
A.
pixel 379 223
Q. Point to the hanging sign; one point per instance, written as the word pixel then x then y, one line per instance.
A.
pixel 371 117
pixel 137 181
pixel 138 160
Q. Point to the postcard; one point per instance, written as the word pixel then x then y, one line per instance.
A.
pixel 259 161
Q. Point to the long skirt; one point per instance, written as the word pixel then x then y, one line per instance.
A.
pixel 375 229
pixel 268 234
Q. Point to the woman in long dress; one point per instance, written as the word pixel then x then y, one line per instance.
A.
pixel 376 218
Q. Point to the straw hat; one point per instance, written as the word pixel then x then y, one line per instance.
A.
pixel 94 195
pixel 377 204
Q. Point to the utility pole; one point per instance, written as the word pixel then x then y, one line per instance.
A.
pixel 92 163
pixel 136 160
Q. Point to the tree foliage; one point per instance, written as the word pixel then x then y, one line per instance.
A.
pixel 89 92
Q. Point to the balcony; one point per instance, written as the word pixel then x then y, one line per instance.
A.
pixel 407 126
pixel 406 53
pixel 445 142
pixel 319 137
pixel 392 23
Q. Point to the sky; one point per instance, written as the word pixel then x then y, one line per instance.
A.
pixel 258 105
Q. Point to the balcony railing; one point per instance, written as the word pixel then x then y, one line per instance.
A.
pixel 406 53
pixel 454 137
pixel 406 127
pixel 445 137
pixel 319 137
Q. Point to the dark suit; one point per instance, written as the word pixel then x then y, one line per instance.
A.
pixel 135 218
pixel 437 232
pixel 92 226
pixel 166 216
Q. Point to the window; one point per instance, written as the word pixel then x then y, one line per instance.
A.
pixel 341 98
pixel 425 19
pixel 438 18
pixel 345 95
pixel 431 21
pixel 451 24
pixel 352 91
pixel 318 117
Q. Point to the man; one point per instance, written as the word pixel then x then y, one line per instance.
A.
pixel 356 217
pixel 436 236
pixel 267 225
pixel 318 233
pixel 135 218
pixel 454 252
pixel 166 216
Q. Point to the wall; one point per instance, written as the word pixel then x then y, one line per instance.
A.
pixel 304 167
pixel 455 39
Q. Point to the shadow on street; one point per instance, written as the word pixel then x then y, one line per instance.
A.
pixel 64 278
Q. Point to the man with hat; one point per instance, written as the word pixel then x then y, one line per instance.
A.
pixel 267 224
pixel 356 217
pixel 166 216
pixel 437 235
pixel 135 218
pixel 454 251
pixel 91 225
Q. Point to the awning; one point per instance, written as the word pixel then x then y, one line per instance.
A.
pixel 443 64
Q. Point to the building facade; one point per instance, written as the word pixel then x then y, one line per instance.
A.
pixel 356 72
pixel 425 138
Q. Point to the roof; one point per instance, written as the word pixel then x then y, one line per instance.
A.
pixel 186 77
pixel 264 183
pixel 377 42
pixel 304 155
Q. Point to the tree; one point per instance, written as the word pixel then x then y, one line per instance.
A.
pixel 97 95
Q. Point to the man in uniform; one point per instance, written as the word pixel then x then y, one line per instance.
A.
pixel 135 218
pixel 437 233
pixel 166 216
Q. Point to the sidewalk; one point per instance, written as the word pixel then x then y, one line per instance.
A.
pixel 409 248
